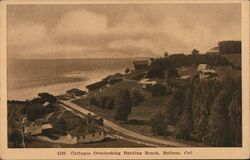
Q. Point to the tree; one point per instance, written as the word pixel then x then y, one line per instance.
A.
pixel 235 114
pixel 34 111
pixel 136 97
pixel 172 73
pixel 195 52
pixel 166 54
pixel 159 125
pixel 93 101
pixel 175 107
pixel 127 70
pixel 185 125
pixel 110 103
pixel 47 97
pixel 218 125
pixel 16 138
pixel 229 47
pixel 123 106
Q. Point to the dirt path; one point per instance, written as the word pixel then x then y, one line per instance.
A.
pixel 127 132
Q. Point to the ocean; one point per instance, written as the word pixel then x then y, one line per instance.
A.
pixel 28 77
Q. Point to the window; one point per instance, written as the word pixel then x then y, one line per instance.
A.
pixel 93 134
pixel 83 137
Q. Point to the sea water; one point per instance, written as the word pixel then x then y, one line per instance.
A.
pixel 28 77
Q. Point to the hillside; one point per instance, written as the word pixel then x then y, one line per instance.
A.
pixel 233 58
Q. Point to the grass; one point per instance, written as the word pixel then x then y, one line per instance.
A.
pixel 37 143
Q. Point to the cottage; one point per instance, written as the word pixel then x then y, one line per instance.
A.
pixel 202 67
pixel 206 74
pixel 146 83
pixel 45 104
pixel 75 92
pixel 37 127
pixel 140 64
pixel 86 134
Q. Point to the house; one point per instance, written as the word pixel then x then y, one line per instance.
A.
pixel 140 64
pixel 37 127
pixel 97 85
pixel 202 67
pixel 146 83
pixel 65 120
pixel 86 134
pixel 75 92
pixel 206 74
pixel 45 104
pixel 158 90
pixel 213 51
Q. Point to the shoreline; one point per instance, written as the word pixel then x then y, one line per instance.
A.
pixel 57 89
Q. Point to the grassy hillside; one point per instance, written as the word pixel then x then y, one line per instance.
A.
pixel 233 58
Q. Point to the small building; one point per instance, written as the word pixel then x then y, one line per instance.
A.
pixel 75 92
pixel 45 104
pixel 202 67
pixel 86 134
pixel 158 90
pixel 37 127
pixel 207 74
pixel 140 64
pixel 146 83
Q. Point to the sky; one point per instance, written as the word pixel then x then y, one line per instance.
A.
pixel 118 30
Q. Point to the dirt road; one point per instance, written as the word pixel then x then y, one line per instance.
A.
pixel 128 133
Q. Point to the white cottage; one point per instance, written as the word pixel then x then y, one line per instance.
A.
pixel 86 134
pixel 37 127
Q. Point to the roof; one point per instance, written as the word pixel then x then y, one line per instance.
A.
pixel 46 126
pixel 147 81
pixel 209 71
pixel 41 121
pixel 45 104
pixel 140 62
pixel 202 65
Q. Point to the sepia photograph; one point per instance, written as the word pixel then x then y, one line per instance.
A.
pixel 124 75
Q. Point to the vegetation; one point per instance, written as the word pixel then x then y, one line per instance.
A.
pixel 123 106
pixel 158 66
pixel 207 112
pixel 195 51
pixel 229 47
pixel 159 125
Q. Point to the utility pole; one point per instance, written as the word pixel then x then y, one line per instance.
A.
pixel 22 131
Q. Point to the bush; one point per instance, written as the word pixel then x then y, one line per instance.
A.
pixel 93 101
pixel 159 125
pixel 136 97
pixel 229 47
